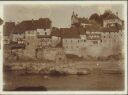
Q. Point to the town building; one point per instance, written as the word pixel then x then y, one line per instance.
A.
pixel 104 39
pixel 77 21
pixel 112 20
pixel 37 35
pixel 83 38
pixel 55 36
pixel 71 40
pixel 8 28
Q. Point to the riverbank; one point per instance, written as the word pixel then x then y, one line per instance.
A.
pixel 90 82
pixel 74 75
pixel 71 67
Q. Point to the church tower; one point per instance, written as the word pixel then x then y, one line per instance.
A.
pixel 74 19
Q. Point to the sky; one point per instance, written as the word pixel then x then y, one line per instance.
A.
pixel 60 15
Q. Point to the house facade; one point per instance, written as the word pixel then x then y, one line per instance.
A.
pixel 112 20
pixel 8 28
pixel 77 21
pixel 72 42
pixel 83 38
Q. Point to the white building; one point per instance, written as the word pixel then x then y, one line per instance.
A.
pixel 73 42
pixel 112 20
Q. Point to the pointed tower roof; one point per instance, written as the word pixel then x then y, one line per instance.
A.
pixel 73 13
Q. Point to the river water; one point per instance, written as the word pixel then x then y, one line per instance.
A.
pixel 98 82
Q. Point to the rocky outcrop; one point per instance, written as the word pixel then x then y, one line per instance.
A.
pixel 72 67
pixel 48 68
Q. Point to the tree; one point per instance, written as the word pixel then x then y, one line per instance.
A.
pixel 95 17
pixel 106 13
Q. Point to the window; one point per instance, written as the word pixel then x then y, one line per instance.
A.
pixel 45 33
pixel 78 41
pixel 44 29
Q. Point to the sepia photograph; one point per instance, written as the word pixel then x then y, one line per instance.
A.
pixel 63 47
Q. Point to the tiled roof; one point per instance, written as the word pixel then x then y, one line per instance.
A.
pixel 112 16
pixel 28 25
pixel 18 29
pixel 83 20
pixel 8 28
pixel 55 32
pixel 69 33
pixel 32 25
pixel 42 23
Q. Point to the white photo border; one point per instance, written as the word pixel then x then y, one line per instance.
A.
pixel 124 3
